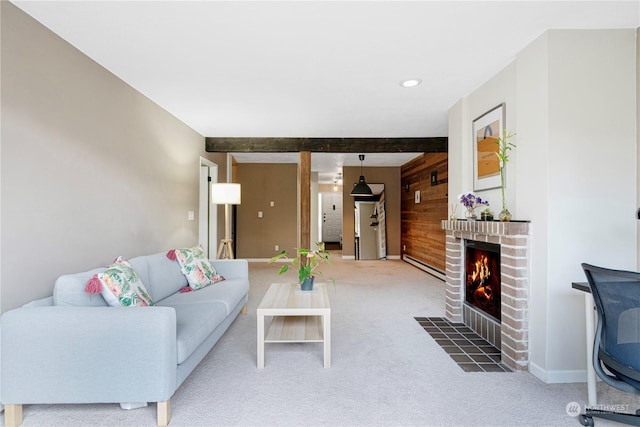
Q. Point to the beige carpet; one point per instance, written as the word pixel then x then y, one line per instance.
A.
pixel 386 370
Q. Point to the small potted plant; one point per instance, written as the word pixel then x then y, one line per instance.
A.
pixel 307 263
pixel 486 215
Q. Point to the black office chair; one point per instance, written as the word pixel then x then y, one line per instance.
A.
pixel 616 348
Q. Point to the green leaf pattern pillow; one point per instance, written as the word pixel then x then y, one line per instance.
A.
pixel 122 286
pixel 196 267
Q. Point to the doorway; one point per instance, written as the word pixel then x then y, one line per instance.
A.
pixel 207 214
pixel 370 225
pixel 331 211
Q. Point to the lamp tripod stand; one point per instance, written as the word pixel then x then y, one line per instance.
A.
pixel 227 194
pixel 225 250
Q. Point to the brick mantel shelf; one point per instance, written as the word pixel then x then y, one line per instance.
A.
pixel 513 238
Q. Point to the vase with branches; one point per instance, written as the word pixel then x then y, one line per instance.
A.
pixel 504 146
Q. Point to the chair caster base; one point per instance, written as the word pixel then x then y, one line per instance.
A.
pixel 586 420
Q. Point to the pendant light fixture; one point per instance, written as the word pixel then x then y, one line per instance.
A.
pixel 361 188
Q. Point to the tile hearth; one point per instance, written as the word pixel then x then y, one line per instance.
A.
pixel 470 351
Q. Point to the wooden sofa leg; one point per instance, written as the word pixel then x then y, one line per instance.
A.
pixel 164 413
pixel 12 415
pixel 244 310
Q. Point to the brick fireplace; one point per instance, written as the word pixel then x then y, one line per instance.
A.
pixel 511 335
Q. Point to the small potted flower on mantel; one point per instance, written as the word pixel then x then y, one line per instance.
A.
pixel 470 201
pixel 307 263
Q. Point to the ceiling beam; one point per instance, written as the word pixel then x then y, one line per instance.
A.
pixel 326 145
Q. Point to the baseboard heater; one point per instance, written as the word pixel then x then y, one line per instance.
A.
pixel 422 266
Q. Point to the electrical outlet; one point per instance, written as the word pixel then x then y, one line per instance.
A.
pixel 259 214
pixel 191 215
pixel 277 248
pixel 404 247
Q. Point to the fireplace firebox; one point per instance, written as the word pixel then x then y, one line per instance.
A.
pixel 482 277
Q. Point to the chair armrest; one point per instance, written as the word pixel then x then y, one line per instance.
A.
pixel 232 268
pixel 88 354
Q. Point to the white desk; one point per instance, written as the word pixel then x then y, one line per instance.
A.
pixel 590 321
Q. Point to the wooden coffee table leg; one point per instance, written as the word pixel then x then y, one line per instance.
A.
pixel 326 331
pixel 260 340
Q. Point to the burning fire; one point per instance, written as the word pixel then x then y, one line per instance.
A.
pixel 481 276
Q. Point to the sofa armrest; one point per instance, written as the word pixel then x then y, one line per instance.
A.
pixel 88 354
pixel 232 268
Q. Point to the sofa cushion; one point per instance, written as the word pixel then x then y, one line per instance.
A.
pixel 228 293
pixel 161 276
pixel 196 267
pixel 69 290
pixel 121 286
pixel 194 323
pixel 42 302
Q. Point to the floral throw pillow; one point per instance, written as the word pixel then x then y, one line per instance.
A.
pixel 122 287
pixel 196 267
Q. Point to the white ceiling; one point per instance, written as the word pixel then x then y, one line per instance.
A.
pixel 314 69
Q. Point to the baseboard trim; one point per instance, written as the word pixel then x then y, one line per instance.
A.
pixel 436 273
pixel 558 377
pixel 284 260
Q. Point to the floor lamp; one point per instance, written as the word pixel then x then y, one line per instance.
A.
pixel 225 194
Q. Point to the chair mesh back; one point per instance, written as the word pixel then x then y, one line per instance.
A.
pixel 616 294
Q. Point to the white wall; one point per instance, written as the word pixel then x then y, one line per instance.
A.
pixel 533 179
pixel 90 168
pixel 1 165
pixel 570 97
pixel 592 164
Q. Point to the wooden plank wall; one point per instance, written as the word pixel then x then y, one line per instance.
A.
pixel 421 232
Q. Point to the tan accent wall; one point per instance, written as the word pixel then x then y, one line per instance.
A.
pixel 91 169
pixel 390 177
pixel 261 184
pixel 329 188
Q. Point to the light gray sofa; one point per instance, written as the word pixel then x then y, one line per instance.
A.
pixel 73 348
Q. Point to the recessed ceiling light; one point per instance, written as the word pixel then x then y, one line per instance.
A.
pixel 410 82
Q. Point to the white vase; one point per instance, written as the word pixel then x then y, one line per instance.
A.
pixel 470 214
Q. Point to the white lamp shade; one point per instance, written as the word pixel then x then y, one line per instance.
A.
pixel 225 194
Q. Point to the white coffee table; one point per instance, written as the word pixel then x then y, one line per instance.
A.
pixel 297 316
